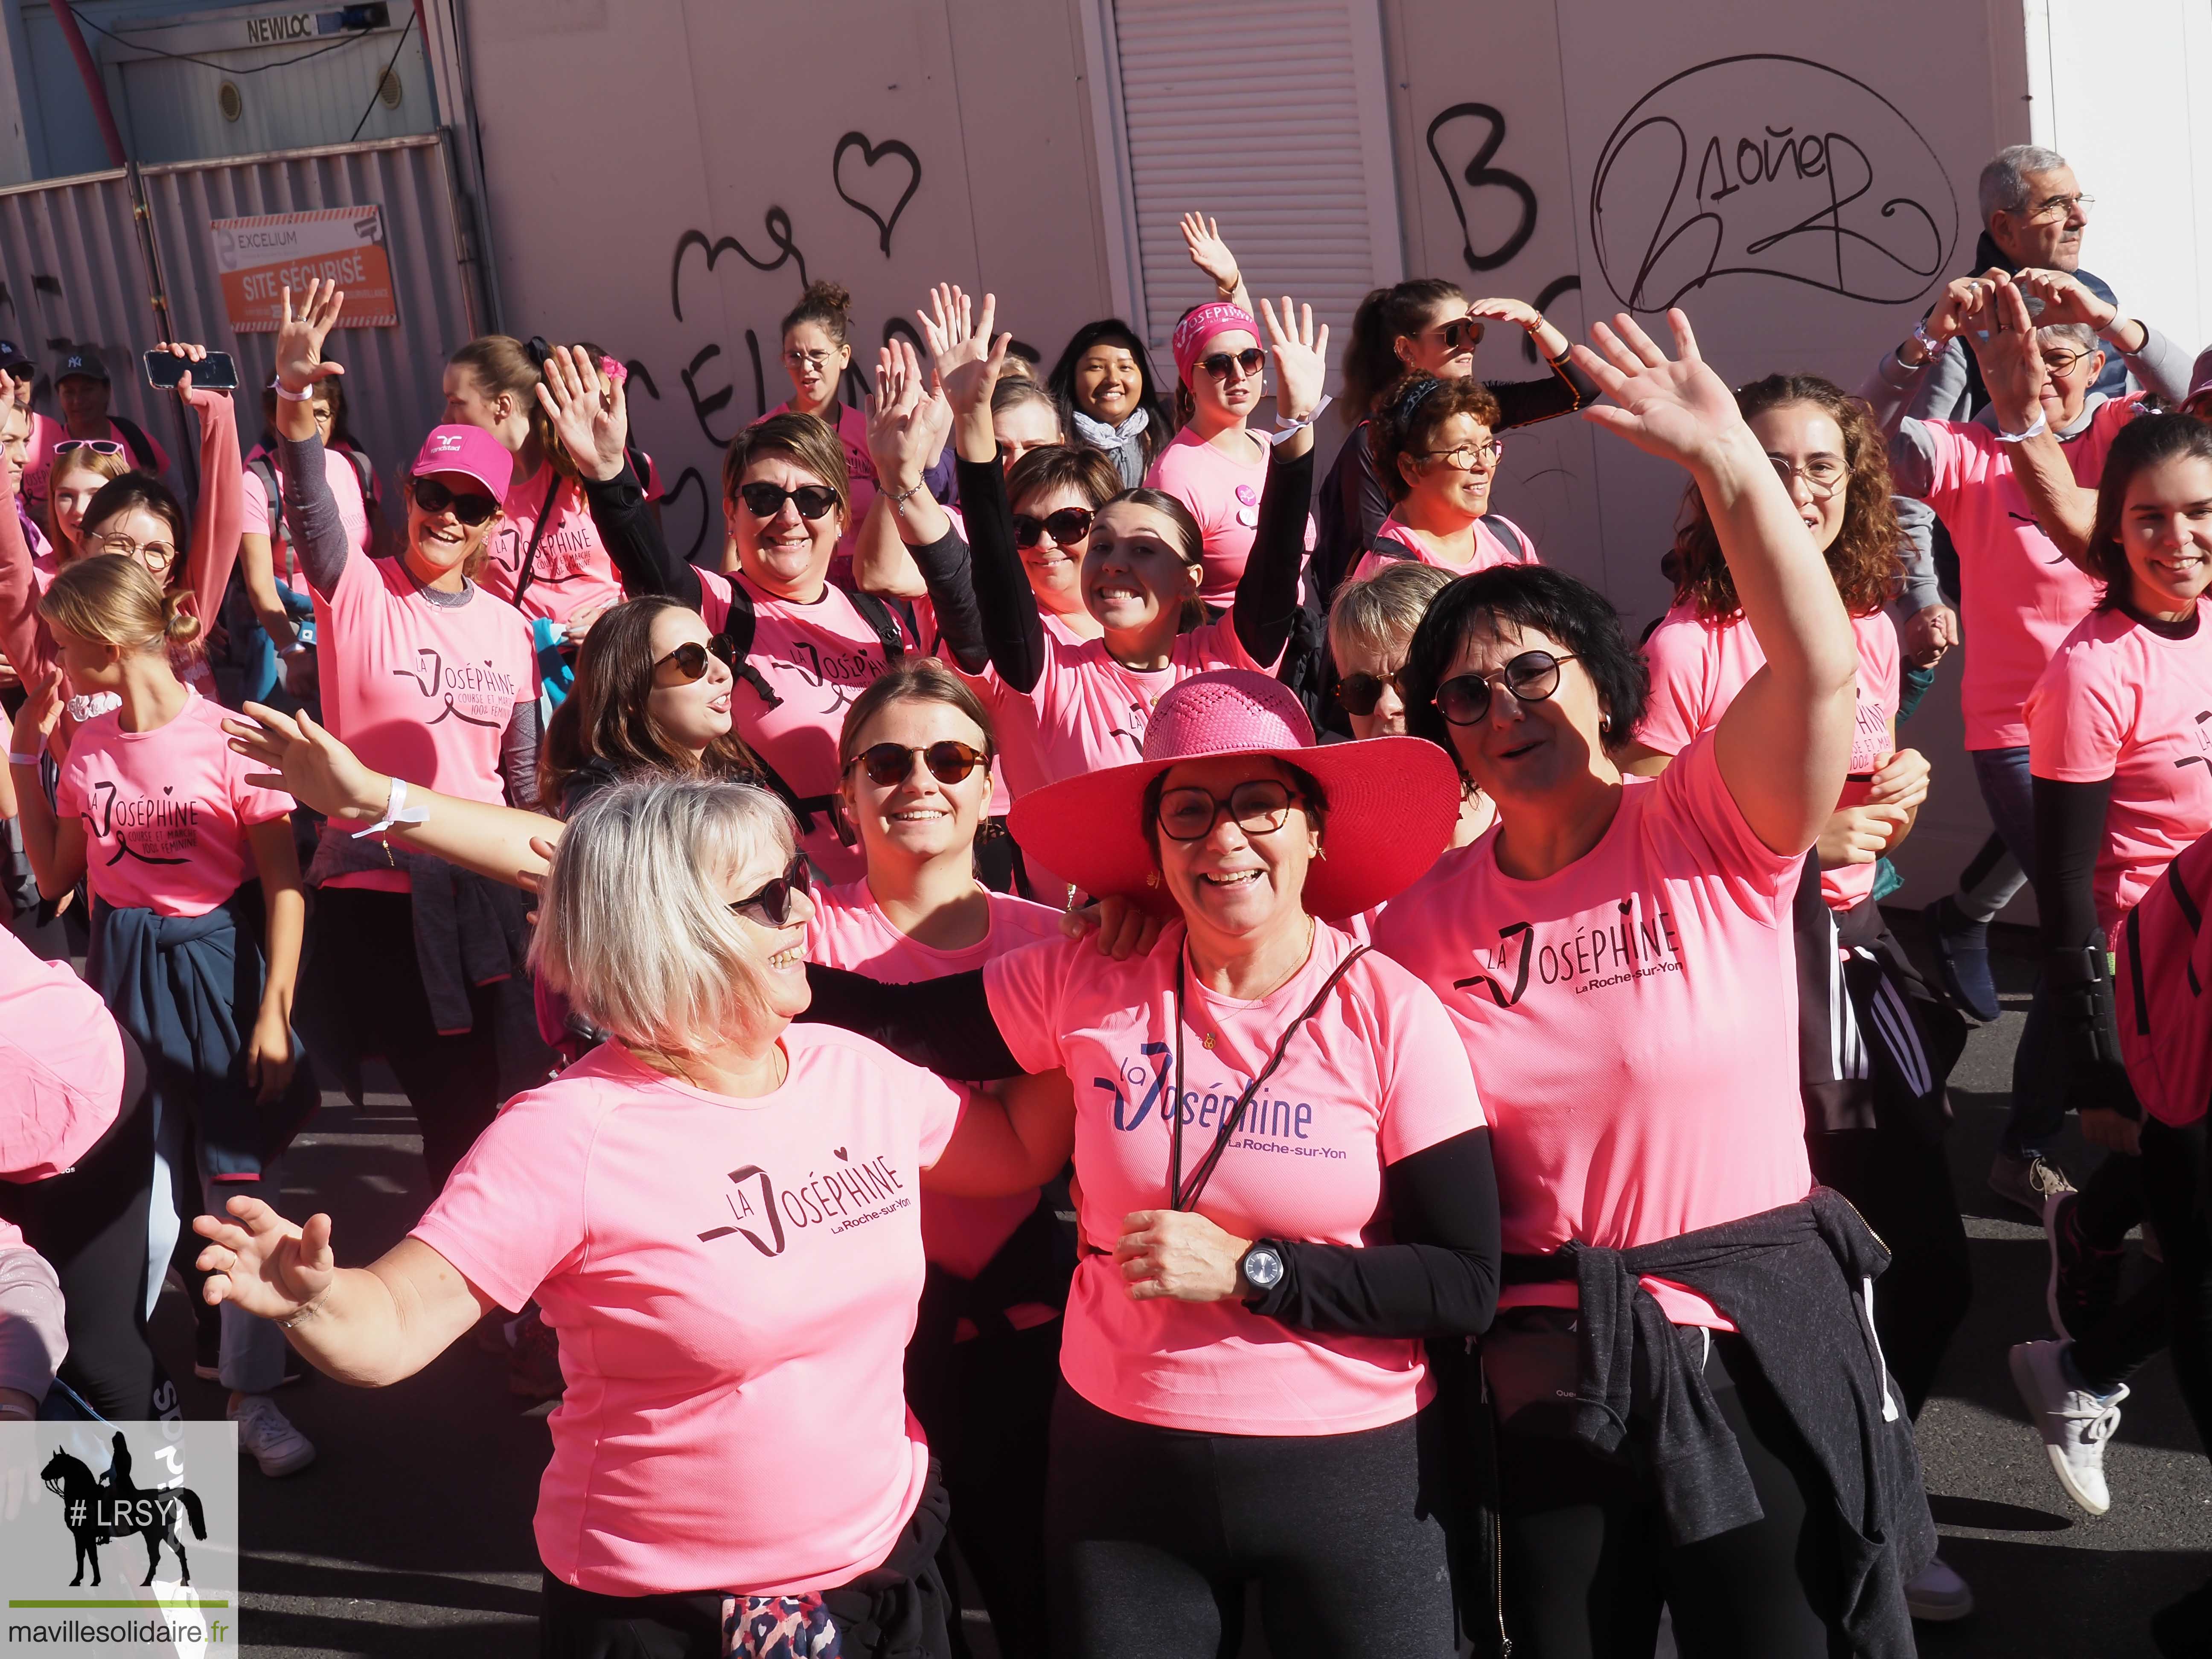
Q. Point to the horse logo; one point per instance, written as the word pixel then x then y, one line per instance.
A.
pixel 100 1510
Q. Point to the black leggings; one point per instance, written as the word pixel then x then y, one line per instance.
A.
pixel 2175 1309
pixel 90 1223
pixel 1588 1562
pixel 1153 1534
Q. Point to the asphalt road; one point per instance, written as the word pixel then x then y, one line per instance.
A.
pixel 411 1533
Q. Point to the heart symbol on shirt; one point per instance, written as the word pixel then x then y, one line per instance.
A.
pixel 840 1150
pixel 168 788
pixel 870 154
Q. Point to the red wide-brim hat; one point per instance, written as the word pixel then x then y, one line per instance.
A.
pixel 1392 801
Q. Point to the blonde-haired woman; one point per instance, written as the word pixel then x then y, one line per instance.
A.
pixel 716 1210
pixel 82 467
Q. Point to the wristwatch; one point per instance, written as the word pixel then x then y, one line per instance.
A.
pixel 1262 1266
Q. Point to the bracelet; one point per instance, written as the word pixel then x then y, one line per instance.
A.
pixel 1930 347
pixel 1285 426
pixel 17 1414
pixel 902 497
pixel 294 648
pixel 15 759
pixel 306 1309
pixel 395 811
pixel 292 397
pixel 2041 426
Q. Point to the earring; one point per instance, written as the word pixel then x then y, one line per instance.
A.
pixel 1153 878
pixel 1604 724
pixel 1320 851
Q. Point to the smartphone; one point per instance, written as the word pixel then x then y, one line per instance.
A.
pixel 216 373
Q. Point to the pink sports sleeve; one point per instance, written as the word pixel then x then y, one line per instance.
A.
pixel 221 509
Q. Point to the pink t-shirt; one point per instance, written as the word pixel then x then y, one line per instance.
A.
pixel 165 811
pixel 1222 494
pixel 1490 551
pixel 850 931
pixel 1633 1021
pixel 47 434
pixel 1698 667
pixel 732 1283
pixel 2020 595
pixel 345 490
pixel 61 1065
pixel 1376 1076
pixel 573 568
pixel 2120 702
pixel 817 658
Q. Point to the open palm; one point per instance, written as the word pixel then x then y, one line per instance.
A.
pixel 1674 408
pixel 907 418
pixel 264 1263
pixel 967 360
pixel 589 410
pixel 301 334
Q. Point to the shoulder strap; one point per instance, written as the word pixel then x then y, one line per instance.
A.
pixel 1387 547
pixel 879 615
pixel 365 473
pixel 523 577
pixel 738 628
pixel 134 437
pixel 1507 532
pixel 280 535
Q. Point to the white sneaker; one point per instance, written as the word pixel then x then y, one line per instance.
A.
pixel 2074 1423
pixel 1936 1594
pixel 267 1435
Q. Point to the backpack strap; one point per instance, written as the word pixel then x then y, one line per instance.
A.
pixel 134 439
pixel 280 535
pixel 877 612
pixel 738 628
pixel 1508 532
pixel 524 576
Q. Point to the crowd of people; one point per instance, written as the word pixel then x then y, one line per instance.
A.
pixel 1184 1036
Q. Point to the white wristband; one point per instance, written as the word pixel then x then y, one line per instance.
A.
pixel 1285 427
pixel 292 397
pixel 15 759
pixel 2041 426
pixel 395 811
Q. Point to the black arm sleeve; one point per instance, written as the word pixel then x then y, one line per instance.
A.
pixel 1267 592
pixel 949 577
pixel 942 1024
pixel 1011 627
pixel 2070 833
pixel 1439 1280
pixel 641 553
pixel 1523 403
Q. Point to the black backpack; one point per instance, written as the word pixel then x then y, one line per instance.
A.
pixel 263 467
pixel 136 441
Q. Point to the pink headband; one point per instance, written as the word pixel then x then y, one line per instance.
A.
pixel 1217 317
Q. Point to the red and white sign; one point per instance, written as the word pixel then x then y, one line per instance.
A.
pixel 259 257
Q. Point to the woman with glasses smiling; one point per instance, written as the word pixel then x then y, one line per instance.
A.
pixel 1436 450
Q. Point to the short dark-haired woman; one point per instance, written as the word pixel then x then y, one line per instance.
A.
pixel 1109 398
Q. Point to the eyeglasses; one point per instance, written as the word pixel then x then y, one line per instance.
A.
pixel 771 906
pixel 690 658
pixel 97 445
pixel 1246 361
pixel 1532 677
pixel 147 553
pixel 1359 693
pixel 1823 475
pixel 472 510
pixel 1461 333
pixel 1467 458
pixel 1258 805
pixel 808 359
pixel 765 501
pixel 2060 207
pixel 2059 361
pixel 890 764
pixel 1067 526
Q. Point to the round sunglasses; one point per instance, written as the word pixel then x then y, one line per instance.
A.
pixel 771 905
pixel 1359 693
pixel 1221 362
pixel 765 501
pixel 1532 677
pixel 1461 333
pixel 470 508
pixel 890 764
pixel 690 658
pixel 1258 805
pixel 1067 526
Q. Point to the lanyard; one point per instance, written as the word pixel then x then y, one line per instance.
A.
pixel 1181 1198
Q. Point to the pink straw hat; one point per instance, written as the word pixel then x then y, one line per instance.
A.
pixel 1392 801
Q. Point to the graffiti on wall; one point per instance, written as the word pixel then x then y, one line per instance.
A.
pixel 1485 197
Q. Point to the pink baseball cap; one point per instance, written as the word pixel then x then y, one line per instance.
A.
pixel 2200 376
pixel 469 451
pixel 1216 317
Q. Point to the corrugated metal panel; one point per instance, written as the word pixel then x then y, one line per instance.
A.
pixel 70 260
pixel 174 111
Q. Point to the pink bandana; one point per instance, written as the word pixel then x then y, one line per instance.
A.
pixel 1217 317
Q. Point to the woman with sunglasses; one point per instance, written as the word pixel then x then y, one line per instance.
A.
pixel 1617 955
pixel 715 1210
pixel 1423 326
pixel 1436 449
pixel 430 678
pixel 1105 386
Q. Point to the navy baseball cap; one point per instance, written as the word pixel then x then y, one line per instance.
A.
pixel 79 361
pixel 14 360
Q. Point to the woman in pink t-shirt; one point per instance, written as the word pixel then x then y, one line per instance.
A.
pixel 716 1210
pixel 1242 1370
pixel 80 473
pixel 1436 453
pixel 198 912
pixel 2120 742
pixel 1616 953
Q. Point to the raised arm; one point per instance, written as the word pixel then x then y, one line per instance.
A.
pixel 2158 364
pixel 1523 403
pixel 1785 745
pixel 1202 236
pixel 23 638
pixel 311 514
pixel 221 509
pixel 2013 369
pixel 1267 601
pixel 908 543
pixel 54 845
pixel 590 411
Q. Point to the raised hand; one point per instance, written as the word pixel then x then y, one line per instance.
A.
pixel 2011 361
pixel 1676 409
pixel 967 360
pixel 590 411
pixel 191 352
pixel 1519 313
pixel 1963 305
pixel 909 417
pixel 308 763
pixel 1301 357
pixel 299 335
pixel 1202 236
pixel 261 1261
pixel 2064 299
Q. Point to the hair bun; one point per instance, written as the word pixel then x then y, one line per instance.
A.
pixel 836 296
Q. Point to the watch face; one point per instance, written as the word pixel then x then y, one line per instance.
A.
pixel 1262 1267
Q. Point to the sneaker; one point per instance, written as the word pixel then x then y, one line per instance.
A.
pixel 2085 1281
pixel 2030 1182
pixel 2184 1631
pixel 1962 959
pixel 266 1435
pixel 1937 1596
pixel 534 1372
pixel 2074 1423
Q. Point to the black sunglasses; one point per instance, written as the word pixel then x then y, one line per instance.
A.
pixel 1069 526
pixel 1532 677
pixel 470 509
pixel 891 764
pixel 1220 362
pixel 690 658
pixel 765 501
pixel 1359 693
pixel 771 906
pixel 1461 333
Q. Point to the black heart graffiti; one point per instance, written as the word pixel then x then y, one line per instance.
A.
pixel 1478 174
pixel 870 154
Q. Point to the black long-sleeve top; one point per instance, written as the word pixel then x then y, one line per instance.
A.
pixel 982 579
pixel 1438 1280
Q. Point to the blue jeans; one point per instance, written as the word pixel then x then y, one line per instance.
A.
pixel 2039 1088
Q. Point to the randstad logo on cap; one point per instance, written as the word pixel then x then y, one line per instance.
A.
pixel 445 441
